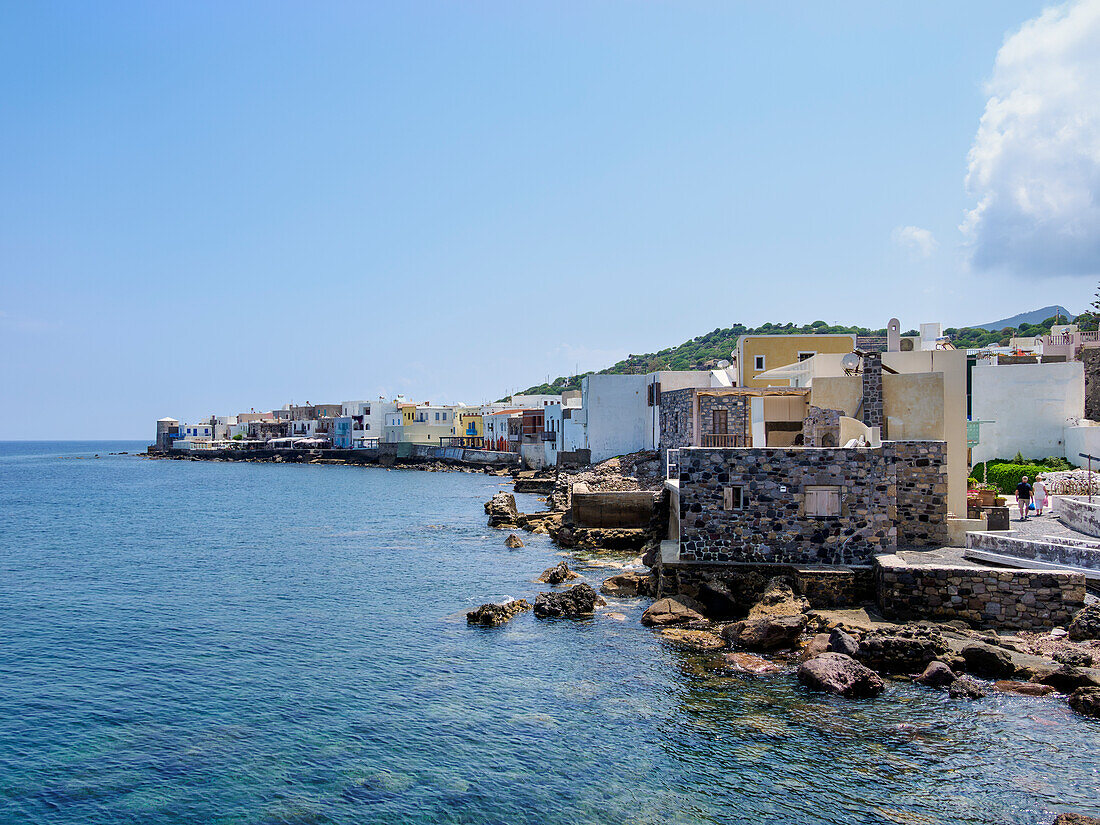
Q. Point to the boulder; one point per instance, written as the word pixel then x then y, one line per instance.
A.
pixel 501 509
pixel 907 649
pixel 840 674
pixel 513 541
pixel 625 585
pixel 1075 819
pixel 557 574
pixel 765 633
pixel 841 642
pixel 670 611
pixel 1068 678
pixel 779 599
pixel 490 615
pixel 580 600
pixel 937 675
pixel 1022 688
pixel 817 645
pixel 1085 624
pixel 1086 701
pixel 966 688
pixel 1076 658
pixel 749 663
pixel 702 640
pixel 987 661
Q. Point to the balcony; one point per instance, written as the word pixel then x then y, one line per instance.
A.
pixel 722 440
pixel 549 436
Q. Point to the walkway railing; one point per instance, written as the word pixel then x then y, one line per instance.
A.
pixel 722 440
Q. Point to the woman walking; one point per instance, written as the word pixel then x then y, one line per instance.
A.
pixel 1039 492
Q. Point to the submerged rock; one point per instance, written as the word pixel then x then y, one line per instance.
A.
pixel 937 675
pixel 490 615
pixel 670 611
pixel 1086 701
pixel 1075 819
pixel 749 663
pixel 703 640
pixel 1085 624
pixel 557 574
pixel 841 675
pixel 580 600
pixel 513 541
pixel 966 688
pixel 766 633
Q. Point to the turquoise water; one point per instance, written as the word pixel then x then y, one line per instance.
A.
pixel 192 642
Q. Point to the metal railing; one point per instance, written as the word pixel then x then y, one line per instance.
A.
pixel 722 440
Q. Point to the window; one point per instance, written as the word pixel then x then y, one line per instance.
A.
pixel 733 498
pixel 759 363
pixel 720 421
pixel 822 502
pixel 437 416
pixel 804 356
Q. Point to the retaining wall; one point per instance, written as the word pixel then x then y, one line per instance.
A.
pixel 1079 514
pixel 613 509
pixel 1049 552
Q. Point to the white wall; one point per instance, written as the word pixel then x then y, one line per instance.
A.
pixel 616 412
pixel 669 380
pixel 1030 405
pixel 1082 439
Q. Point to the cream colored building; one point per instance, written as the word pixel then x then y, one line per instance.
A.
pixel 758 354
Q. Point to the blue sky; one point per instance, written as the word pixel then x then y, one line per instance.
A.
pixel 208 207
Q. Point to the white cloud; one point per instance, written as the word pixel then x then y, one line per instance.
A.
pixel 1034 168
pixel 919 243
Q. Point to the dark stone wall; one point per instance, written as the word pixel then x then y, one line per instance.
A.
pixel 676 424
pixel 821 427
pixel 920 468
pixel 737 415
pixel 1091 359
pixel 873 411
pixel 772 525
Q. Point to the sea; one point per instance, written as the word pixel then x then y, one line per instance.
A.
pixel 206 642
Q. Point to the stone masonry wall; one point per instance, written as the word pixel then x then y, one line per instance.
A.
pixel 676 422
pixel 772 525
pixel 1017 599
pixel 873 410
pixel 737 415
pixel 1091 359
pixel 821 427
pixel 920 468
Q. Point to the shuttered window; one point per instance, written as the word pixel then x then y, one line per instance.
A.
pixel 822 502
pixel 733 498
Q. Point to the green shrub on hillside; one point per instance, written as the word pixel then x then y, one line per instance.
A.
pixel 1006 476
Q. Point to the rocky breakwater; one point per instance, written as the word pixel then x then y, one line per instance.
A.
pixel 578 601
pixel 491 615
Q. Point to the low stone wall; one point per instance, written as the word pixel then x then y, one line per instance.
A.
pixel 613 509
pixel 823 587
pixel 402 452
pixel 1079 514
pixel 1049 552
pixel 1011 599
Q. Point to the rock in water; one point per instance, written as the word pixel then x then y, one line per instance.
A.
pixel 557 574
pixel 491 615
pixel 1022 688
pixel 908 649
pixel 1086 701
pixel 749 663
pixel 1067 678
pixel 1085 624
pixel 513 541
pixel 840 674
pixel 625 585
pixel 580 600
pixel 841 642
pixel 778 600
pixel 1075 819
pixel 987 661
pixel 815 647
pixel 766 633
pixel 937 675
pixel 693 639
pixel 670 611
pixel 501 509
pixel 966 688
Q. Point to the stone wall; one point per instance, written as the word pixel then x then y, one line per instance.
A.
pixel 1065 551
pixel 738 420
pixel 772 525
pixel 1080 514
pixel 821 427
pixel 1015 599
pixel 617 508
pixel 873 410
pixel 676 424
pixel 920 468
pixel 1091 359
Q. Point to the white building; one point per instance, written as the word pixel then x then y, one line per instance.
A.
pixel 1029 407
pixel 528 402
pixel 369 419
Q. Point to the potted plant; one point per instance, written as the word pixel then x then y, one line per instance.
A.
pixel 986 493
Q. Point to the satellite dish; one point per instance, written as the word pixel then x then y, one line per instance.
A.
pixel 723 364
pixel 850 361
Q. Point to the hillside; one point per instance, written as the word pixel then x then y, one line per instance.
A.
pixel 706 350
pixel 1036 316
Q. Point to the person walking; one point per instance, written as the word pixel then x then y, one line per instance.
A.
pixel 1039 489
pixel 1023 497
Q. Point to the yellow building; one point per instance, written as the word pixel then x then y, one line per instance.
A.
pixel 760 353
pixel 408 414
pixel 471 424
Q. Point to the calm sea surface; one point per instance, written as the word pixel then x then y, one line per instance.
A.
pixel 193 642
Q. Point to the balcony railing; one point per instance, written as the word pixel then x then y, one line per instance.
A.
pixel 722 440
pixel 549 435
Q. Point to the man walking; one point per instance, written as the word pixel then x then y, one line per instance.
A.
pixel 1023 497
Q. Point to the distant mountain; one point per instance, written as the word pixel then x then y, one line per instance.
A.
pixel 1034 317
